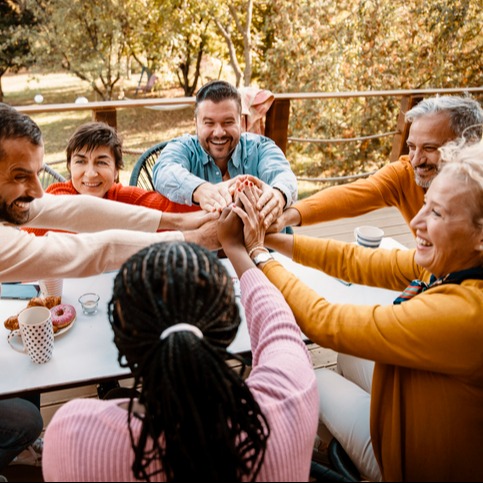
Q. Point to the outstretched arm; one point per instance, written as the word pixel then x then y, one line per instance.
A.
pixel 88 214
pixel 281 243
pixel 186 221
pixel 58 255
pixel 230 234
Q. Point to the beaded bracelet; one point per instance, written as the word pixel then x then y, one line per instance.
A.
pixel 259 247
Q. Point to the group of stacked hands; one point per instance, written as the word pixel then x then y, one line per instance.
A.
pixel 418 413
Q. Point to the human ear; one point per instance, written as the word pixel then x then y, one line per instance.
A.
pixel 480 247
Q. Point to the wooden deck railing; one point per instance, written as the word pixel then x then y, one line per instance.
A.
pixel 277 122
pixel 277 119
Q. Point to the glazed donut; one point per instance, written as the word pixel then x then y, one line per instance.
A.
pixel 62 316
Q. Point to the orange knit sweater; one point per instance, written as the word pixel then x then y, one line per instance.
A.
pixel 392 185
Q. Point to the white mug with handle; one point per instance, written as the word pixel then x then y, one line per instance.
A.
pixel 36 334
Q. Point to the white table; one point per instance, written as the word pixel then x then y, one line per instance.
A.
pixel 330 288
pixel 86 354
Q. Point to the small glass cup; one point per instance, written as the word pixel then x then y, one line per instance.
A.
pixel 89 302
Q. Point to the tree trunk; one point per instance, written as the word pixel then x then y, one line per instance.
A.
pixel 245 32
pixel 247 45
pixel 198 68
pixel 1 90
pixel 232 52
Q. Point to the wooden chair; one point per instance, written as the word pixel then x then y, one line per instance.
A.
pixel 48 176
pixel 142 173
pixel 152 78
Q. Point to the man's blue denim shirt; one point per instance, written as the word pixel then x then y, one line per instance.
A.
pixel 184 165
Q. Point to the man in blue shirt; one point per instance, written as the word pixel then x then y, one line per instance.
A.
pixel 203 169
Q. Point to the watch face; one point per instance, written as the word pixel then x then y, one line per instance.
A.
pixel 262 258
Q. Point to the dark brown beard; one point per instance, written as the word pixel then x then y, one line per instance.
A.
pixel 8 215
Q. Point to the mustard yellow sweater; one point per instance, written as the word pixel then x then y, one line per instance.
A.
pixel 427 393
pixel 392 185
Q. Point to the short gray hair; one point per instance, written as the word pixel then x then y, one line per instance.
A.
pixel 465 113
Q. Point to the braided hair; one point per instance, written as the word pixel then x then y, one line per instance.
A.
pixel 200 420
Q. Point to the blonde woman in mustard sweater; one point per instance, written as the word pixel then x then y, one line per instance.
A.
pixel 426 403
pixel 402 184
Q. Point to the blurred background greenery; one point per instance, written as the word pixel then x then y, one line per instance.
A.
pixel 106 49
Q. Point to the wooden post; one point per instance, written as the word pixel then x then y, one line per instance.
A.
pixel 399 146
pixel 276 123
pixel 109 116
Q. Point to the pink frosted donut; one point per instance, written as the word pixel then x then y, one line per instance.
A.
pixel 62 316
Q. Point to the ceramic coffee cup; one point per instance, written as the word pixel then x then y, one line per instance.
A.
pixel 51 287
pixel 368 236
pixel 35 336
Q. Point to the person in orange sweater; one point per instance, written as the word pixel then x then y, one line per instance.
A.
pixel 94 160
pixel 426 401
pixel 434 122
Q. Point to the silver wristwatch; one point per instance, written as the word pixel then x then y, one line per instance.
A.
pixel 262 258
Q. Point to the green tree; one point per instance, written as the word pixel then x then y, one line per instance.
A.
pixel 242 26
pixel 347 45
pixel 85 38
pixel 15 23
pixel 190 38
pixel 170 36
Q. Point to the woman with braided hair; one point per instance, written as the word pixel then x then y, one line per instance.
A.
pixel 174 314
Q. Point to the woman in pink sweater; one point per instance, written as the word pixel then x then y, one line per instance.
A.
pixel 174 314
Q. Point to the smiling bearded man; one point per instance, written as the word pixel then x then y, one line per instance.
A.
pixel 203 169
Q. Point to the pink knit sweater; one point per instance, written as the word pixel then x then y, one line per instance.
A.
pixel 88 440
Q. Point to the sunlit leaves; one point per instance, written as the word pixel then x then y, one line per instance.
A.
pixel 359 45
pixel 16 23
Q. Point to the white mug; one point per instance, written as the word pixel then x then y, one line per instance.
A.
pixel 368 236
pixel 36 334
